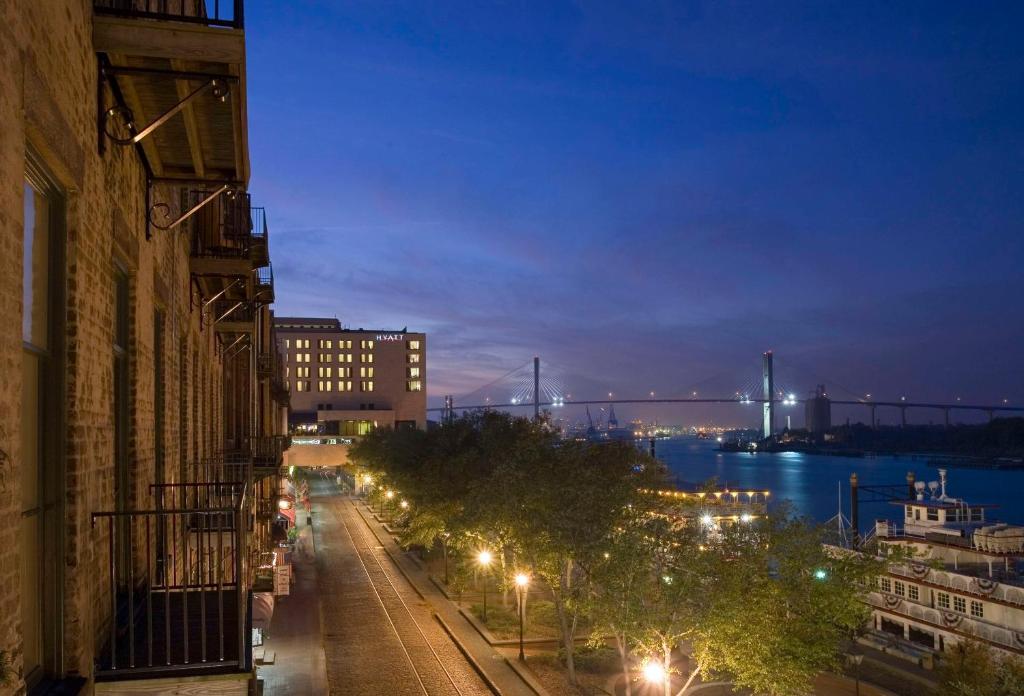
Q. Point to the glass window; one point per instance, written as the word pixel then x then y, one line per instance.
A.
pixel 886 584
pixel 287 343
pixel 977 609
pixel 933 514
pixel 344 371
pixel 413 345
pixel 942 599
pixel 913 592
pixel 366 386
pixel 901 589
pixel 959 604
pixel 345 385
pixel 414 358
pixel 976 514
pixel 414 385
pixel 414 372
pixel 366 357
pixel 366 345
pixel 366 372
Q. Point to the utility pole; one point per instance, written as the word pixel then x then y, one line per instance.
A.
pixel 769 395
pixel 536 387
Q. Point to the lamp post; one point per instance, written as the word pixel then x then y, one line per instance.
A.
pixel 484 559
pixel 855 660
pixel 390 495
pixel 444 551
pixel 522 580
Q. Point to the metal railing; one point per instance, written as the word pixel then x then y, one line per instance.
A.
pixel 268 451
pixel 223 228
pixel 177 584
pixel 212 13
pixel 265 278
pixel 264 365
pixel 232 311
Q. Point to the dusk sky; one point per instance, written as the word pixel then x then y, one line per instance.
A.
pixel 653 193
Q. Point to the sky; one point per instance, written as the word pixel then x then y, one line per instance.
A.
pixel 649 195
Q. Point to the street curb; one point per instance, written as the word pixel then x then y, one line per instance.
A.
pixel 469 657
pixel 527 675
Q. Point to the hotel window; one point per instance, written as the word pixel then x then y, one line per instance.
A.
pixel 287 343
pixel 325 385
pixel 366 385
pixel 325 343
pixel 886 584
pixel 913 592
pixel 287 370
pixel 345 385
pixel 959 604
pixel 366 372
pixel 414 372
pixel 901 589
pixel 298 385
pixel 414 385
pixel 413 345
pixel 304 343
pixel 324 372
pixel 302 372
pixel 414 358
pixel 366 345
pixel 977 609
pixel 325 357
pixel 933 514
pixel 942 599
pixel 366 357
pixel 344 371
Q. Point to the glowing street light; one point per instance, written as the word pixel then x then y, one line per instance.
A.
pixel 484 558
pixel 404 504
pixel 653 672
pixel 522 581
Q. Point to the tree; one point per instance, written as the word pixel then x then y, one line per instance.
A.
pixel 971 668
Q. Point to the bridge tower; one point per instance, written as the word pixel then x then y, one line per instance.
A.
pixel 769 396
pixel 536 387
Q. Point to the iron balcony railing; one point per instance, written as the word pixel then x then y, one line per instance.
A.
pixel 265 281
pixel 211 13
pixel 222 228
pixel 232 311
pixel 268 451
pixel 260 238
pixel 177 582
pixel 264 365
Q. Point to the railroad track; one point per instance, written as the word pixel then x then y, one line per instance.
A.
pixel 432 674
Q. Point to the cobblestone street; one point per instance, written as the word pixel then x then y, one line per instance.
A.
pixel 379 636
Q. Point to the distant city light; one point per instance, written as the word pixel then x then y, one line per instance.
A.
pixel 746 517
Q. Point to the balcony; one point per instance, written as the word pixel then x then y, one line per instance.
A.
pixel 260 241
pixel 264 366
pixel 173 73
pixel 265 284
pixel 177 584
pixel 221 233
pixel 232 316
pixel 279 392
pixel 268 451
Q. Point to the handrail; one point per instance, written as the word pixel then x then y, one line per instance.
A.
pixel 207 12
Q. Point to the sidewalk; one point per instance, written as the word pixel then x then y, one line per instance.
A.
pixel 490 660
pixel 294 638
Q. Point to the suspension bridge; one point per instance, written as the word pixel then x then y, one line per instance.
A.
pixel 530 386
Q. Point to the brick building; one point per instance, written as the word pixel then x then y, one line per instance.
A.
pixel 141 400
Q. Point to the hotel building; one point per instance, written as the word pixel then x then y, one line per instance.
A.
pixel 346 382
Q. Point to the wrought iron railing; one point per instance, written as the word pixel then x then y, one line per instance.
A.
pixel 212 13
pixel 265 279
pixel 232 311
pixel 177 581
pixel 268 451
pixel 264 365
pixel 222 228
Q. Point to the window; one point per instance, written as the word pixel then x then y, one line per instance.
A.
pixel 41 392
pixel 414 358
pixel 347 345
pixel 287 343
pixel 959 604
pixel 366 357
pixel 302 371
pixel 901 589
pixel 414 385
pixel 414 372
pixel 344 357
pixel 976 514
pixel 933 514
pixel 344 371
pixel 413 345
pixel 366 386
pixel 357 427
pixel 302 385
pixel 942 599
pixel 366 372
pixel 324 385
pixel 345 385
pixel 977 609
pixel 325 343
pixel 287 372
pixel 913 592
pixel 323 372
pixel 366 345
pixel 325 357
pixel 886 584
pixel 302 343
pixel 909 512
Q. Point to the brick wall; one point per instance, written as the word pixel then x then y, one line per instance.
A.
pixel 48 98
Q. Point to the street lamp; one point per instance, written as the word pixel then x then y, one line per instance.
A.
pixel 390 496
pixel 484 559
pixel 444 551
pixel 855 660
pixel 654 672
pixel 404 504
pixel 522 580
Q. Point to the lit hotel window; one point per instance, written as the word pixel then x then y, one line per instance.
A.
pixel 344 371
pixel 414 358
pixel 325 343
pixel 345 385
pixel 414 385
pixel 325 385
pixel 413 345
pixel 325 357
pixel 366 385
pixel 287 343
pixel 287 370
pixel 345 344
pixel 302 372
pixel 366 357
pixel 298 385
pixel 324 372
pixel 366 372
pixel 344 357
pixel 366 345
pixel 414 372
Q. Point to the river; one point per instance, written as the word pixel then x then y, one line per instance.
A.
pixel 811 481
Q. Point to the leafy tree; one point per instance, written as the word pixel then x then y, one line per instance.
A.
pixel 972 669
